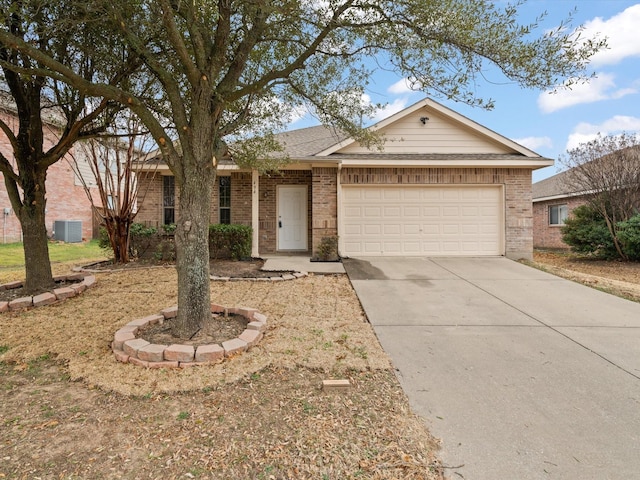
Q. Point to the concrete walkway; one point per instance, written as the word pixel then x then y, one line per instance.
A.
pixel 299 263
pixel 523 375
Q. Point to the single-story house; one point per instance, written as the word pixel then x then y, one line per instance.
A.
pixel 442 185
pixel 553 202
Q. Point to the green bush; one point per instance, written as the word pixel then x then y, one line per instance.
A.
pixel 169 228
pixel 231 240
pixel 585 231
pixel 141 238
pixel 629 236
pixel 103 240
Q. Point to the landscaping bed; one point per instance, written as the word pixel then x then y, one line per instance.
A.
pixel 262 414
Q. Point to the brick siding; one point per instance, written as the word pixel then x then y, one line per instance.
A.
pixel 544 234
pixel 323 207
pixel 324 204
pixel 66 200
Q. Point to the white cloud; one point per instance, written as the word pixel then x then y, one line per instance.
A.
pixel 298 113
pixel 534 143
pixel 401 87
pixel 603 87
pixel 389 109
pixel 621 32
pixel 585 132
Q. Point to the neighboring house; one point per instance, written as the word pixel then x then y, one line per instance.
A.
pixel 442 185
pixel 66 198
pixel 553 202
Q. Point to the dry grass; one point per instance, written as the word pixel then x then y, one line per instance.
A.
pixel 614 277
pixel 259 415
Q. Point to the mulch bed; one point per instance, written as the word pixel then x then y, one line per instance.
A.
pixel 217 330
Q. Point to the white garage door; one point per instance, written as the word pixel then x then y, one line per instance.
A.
pixel 456 220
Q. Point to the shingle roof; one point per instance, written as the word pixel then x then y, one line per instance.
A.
pixel 305 142
pixel 551 187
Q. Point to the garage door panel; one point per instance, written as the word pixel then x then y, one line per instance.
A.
pixel 410 211
pixel 411 229
pixel 372 194
pixel 392 212
pixel 422 220
pixel 372 229
pixel 411 194
pixel 392 229
pixel 391 194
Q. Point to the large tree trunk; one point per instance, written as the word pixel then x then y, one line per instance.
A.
pixel 192 249
pixel 35 241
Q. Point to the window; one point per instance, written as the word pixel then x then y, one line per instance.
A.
pixel 168 200
pixel 558 214
pixel 112 202
pixel 224 197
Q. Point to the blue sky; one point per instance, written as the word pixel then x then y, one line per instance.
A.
pixel 551 124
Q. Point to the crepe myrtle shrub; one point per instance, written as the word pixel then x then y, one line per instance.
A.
pixel 232 240
pixel 585 231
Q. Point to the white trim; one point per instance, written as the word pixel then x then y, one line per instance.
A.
pixel 526 162
pixel 561 196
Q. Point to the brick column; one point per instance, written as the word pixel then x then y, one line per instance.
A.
pixel 324 211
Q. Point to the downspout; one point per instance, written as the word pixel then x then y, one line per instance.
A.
pixel 255 214
pixel 339 212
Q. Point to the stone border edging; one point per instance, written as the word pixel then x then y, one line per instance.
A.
pixel 128 348
pixel 47 298
pixel 277 278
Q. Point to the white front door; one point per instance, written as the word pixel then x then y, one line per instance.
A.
pixel 292 217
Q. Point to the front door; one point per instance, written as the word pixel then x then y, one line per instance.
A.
pixel 292 217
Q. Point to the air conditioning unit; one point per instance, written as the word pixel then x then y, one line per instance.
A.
pixel 69 231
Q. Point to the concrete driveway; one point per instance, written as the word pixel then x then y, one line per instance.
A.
pixel 523 375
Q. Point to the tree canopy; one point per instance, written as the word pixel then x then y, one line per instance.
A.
pixel 51 115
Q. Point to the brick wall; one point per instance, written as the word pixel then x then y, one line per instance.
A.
pixel 324 204
pixel 240 198
pixel 65 199
pixel 150 211
pixel 517 190
pixel 550 236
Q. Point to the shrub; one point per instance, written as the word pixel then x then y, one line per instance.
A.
pixel 103 240
pixel 585 231
pixel 629 236
pixel 141 238
pixel 327 249
pixel 169 228
pixel 232 240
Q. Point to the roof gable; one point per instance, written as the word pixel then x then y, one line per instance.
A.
pixel 428 127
